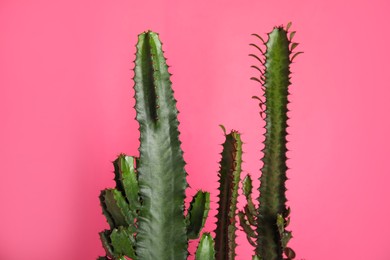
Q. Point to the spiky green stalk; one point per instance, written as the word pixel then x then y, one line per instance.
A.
pixel 120 206
pixel 230 170
pixel 272 200
pixel 161 175
pixel 145 210
pixel 197 214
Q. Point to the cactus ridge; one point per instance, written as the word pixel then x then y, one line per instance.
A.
pixel 230 170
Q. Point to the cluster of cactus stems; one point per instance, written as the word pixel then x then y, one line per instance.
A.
pixel 145 211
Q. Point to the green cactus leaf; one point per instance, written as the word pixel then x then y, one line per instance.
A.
pixel 250 209
pixel 223 129
pixel 293 46
pixel 290 254
pixel 258 36
pixel 295 55
pixel 257 47
pixel 122 242
pixel 256 79
pixel 126 180
pixel 286 237
pixel 162 232
pixel 117 208
pixel 292 34
pixel 257 68
pixel 255 257
pixel 230 170
pixel 205 250
pixel 197 214
pixel 256 57
pixel 288 26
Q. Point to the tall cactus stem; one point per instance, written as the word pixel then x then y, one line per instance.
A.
pixel 272 200
pixel 230 170
pixel 161 230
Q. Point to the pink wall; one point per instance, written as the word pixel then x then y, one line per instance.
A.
pixel 66 112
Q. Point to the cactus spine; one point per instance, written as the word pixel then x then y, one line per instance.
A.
pixel 266 228
pixel 146 209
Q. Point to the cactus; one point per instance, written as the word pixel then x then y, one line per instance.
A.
pixel 146 209
pixel 266 226
pixel 230 170
pixel 229 177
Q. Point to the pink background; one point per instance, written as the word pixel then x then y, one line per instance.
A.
pixel 66 112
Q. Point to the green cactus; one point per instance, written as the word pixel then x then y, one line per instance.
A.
pixel 230 170
pixel 266 226
pixel 146 209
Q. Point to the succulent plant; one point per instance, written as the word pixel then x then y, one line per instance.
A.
pixel 265 226
pixel 229 175
pixel 146 209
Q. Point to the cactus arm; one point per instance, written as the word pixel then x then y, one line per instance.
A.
pixel 105 238
pixel 126 180
pixel 230 170
pixel 122 242
pixel 197 214
pixel 116 208
pixel 249 208
pixel 161 175
pixel 205 250
pixel 248 229
pixel 275 80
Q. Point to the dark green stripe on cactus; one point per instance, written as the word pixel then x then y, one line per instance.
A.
pixel 197 214
pixel 161 230
pixel 275 80
pixel 230 170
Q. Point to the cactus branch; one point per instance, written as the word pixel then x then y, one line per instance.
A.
pixel 197 214
pixel 230 170
pixel 271 220
pixel 162 232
